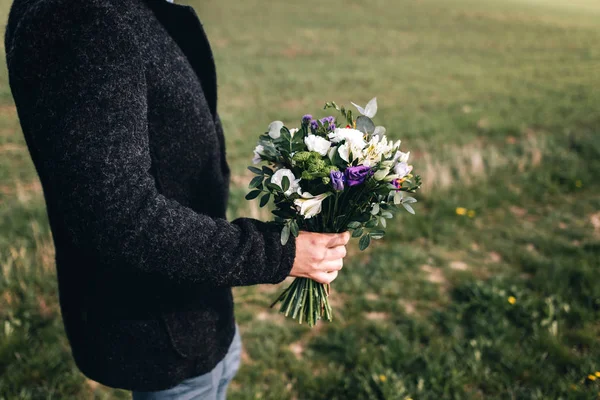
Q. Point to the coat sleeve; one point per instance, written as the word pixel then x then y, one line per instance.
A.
pixel 79 87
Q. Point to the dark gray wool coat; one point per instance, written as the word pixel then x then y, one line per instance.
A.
pixel 118 104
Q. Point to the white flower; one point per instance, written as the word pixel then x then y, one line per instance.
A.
pixel 343 151
pixel 317 144
pixel 401 157
pixel 377 147
pixel 355 141
pixel 293 130
pixel 275 129
pixel 310 205
pixel 370 109
pixel 258 152
pixel 402 169
pixel 352 136
pixel 278 177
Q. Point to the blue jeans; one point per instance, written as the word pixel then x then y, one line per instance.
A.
pixel 209 386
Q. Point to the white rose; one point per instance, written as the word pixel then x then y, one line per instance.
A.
pixel 278 177
pixel 258 152
pixel 352 136
pixel 317 144
pixel 310 205
pixel 275 129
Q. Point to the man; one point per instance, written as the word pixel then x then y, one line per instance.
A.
pixel 117 100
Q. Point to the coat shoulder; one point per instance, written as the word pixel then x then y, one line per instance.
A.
pixel 39 18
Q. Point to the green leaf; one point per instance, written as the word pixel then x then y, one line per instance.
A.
pixel 253 194
pixel 377 234
pixel 364 242
pixel 408 208
pixel 256 182
pixel 294 228
pixel 383 222
pixel 354 224
pixel 409 200
pixel 285 183
pixel 285 234
pixel 267 170
pixel 265 199
pixel 372 223
pixel 273 187
pixel 387 214
pixel 375 209
pixel 357 232
pixel 257 171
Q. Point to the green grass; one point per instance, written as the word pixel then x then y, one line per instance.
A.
pixel 498 100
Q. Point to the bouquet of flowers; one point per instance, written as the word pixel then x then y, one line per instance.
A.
pixel 330 175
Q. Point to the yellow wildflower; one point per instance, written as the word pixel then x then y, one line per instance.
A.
pixel 471 213
pixel 461 211
pixel 592 377
pixel 512 299
pixel 597 374
pixel 382 378
pixel 578 183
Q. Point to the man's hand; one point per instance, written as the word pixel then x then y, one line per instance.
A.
pixel 319 256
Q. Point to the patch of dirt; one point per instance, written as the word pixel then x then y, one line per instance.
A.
pixel 595 221
pixel 434 275
pixel 459 265
pixel 377 316
pixel 494 257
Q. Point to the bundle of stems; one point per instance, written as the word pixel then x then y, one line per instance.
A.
pixel 306 301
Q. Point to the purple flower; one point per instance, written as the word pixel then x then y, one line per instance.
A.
pixel 357 175
pixel 327 120
pixel 332 127
pixel 337 180
pixel 306 119
pixel 314 125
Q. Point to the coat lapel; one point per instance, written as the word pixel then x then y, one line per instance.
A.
pixel 184 26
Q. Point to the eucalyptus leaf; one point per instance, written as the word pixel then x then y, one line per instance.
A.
pixel 354 224
pixel 409 200
pixel 365 124
pixel 253 194
pixel 364 242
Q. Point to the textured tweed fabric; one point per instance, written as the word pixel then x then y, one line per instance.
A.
pixel 117 101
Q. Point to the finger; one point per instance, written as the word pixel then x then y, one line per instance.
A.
pixel 332 265
pixel 334 253
pixel 324 277
pixel 338 239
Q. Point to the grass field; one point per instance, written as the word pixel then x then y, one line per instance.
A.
pixel 499 100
